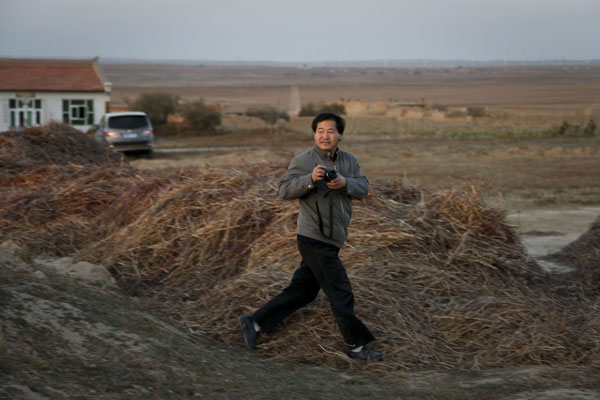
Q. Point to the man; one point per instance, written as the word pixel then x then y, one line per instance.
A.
pixel 324 179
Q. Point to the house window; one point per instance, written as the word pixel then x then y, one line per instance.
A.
pixel 24 112
pixel 78 112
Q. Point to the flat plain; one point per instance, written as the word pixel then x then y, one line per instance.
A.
pixel 555 88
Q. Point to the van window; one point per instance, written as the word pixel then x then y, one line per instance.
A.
pixel 128 122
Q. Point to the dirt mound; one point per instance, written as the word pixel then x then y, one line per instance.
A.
pixel 62 338
pixel 587 245
pixel 57 214
pixel 56 144
pixel 441 279
pixel 198 232
pixel 54 181
pixel 583 254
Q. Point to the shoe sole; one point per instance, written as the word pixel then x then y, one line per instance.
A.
pixel 245 325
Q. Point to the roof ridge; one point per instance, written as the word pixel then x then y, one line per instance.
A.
pixel 6 60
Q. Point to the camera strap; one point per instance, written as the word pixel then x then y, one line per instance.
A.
pixel 321 218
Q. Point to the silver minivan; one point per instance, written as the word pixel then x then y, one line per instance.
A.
pixel 128 131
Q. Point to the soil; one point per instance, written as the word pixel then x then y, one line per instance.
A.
pixel 66 337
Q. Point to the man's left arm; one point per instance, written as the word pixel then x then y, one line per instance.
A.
pixel 357 184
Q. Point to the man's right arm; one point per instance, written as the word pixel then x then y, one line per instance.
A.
pixel 297 181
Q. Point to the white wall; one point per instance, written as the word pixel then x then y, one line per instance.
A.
pixel 52 106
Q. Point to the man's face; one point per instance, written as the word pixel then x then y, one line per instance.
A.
pixel 326 136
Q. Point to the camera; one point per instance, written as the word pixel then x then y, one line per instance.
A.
pixel 330 174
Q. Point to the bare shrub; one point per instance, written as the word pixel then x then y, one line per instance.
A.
pixel 311 109
pixel 590 128
pixel 476 112
pixel 307 110
pixel 200 117
pixel 457 114
pixel 269 114
pixel 157 105
pixel 569 129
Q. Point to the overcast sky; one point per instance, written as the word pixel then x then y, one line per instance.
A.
pixel 302 30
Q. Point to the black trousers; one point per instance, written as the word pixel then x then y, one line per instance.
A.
pixel 321 268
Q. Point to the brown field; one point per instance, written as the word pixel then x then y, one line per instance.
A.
pixel 554 88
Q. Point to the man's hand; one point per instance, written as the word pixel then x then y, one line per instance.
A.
pixel 318 173
pixel 338 183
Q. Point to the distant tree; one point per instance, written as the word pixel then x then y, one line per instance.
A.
pixel 268 114
pixel 158 105
pixel 201 117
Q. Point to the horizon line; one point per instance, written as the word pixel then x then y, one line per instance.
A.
pixel 376 62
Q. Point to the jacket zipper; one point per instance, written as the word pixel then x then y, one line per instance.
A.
pixel 343 214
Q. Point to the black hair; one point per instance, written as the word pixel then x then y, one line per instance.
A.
pixel 340 123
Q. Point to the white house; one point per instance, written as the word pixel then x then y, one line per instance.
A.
pixel 35 92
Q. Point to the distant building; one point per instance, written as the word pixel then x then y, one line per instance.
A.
pixel 35 92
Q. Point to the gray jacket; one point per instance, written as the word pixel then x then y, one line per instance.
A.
pixel 335 206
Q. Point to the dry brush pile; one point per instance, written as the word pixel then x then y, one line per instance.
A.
pixel 583 255
pixel 441 279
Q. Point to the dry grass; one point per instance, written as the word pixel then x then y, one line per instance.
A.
pixel 440 278
pixel 53 144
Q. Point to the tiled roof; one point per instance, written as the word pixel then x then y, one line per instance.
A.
pixel 50 75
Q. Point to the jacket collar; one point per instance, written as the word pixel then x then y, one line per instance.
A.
pixel 324 154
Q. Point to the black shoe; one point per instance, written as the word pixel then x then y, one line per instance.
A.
pixel 248 331
pixel 366 354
